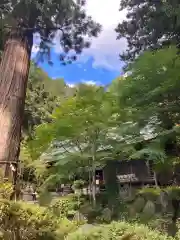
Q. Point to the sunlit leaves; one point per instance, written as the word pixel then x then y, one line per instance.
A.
pixel 79 123
pixel 153 86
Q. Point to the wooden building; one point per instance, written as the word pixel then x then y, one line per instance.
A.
pixel 132 173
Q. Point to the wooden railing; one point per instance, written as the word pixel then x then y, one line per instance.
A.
pixel 126 178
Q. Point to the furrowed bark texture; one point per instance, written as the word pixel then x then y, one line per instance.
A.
pixel 14 71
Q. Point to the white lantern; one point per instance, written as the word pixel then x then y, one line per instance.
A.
pixel 97 181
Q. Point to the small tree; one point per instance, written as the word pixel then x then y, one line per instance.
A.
pixel 80 127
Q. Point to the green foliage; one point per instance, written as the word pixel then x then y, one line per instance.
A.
pixel 106 216
pixel 90 212
pixel 78 184
pixel 173 192
pixel 66 227
pixel 149 193
pixel 6 190
pixel 75 141
pixel 65 205
pixel 44 198
pixel 27 221
pixel 151 152
pixel 68 17
pixel 60 207
pixel 149 25
pixel 121 230
pixel 153 193
pixel 148 98
pixel 40 102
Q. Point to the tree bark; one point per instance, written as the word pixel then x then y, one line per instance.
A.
pixel 94 175
pixel 14 70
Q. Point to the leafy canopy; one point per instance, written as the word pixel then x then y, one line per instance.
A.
pixel 149 25
pixel 78 132
pixel 45 17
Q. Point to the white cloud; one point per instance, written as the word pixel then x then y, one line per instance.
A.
pixel 105 49
pixel 105 12
pixel 71 85
pixel 36 41
pixel 89 82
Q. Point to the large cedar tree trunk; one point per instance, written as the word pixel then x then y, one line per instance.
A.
pixel 14 70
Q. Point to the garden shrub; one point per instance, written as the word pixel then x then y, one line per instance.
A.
pixel 79 218
pixel 149 193
pixel 119 231
pixel 106 216
pixel 59 207
pixel 90 212
pixel 22 221
pixel 44 198
pixel 78 184
pixel 152 193
pixel 63 206
pixel 6 189
pixel 173 192
pixel 65 227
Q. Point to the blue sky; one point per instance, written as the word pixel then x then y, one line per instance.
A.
pixel 76 72
pixel 100 63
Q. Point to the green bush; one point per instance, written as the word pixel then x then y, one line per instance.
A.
pixel 90 212
pixel 44 198
pixel 106 216
pixel 78 184
pixel 173 192
pixel 6 189
pixel 24 221
pixel 66 227
pixel 149 193
pixel 119 231
pixel 59 207
pixel 62 206
pixel 153 193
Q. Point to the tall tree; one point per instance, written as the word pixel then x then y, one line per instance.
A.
pixel 80 129
pixel 149 25
pixel 24 18
pixel 152 89
pixel 150 98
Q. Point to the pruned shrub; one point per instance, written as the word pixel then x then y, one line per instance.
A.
pixel 149 193
pixel 119 231
pixel 106 216
pixel 62 206
pixel 173 192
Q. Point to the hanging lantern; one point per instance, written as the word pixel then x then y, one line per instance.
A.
pixel 97 181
